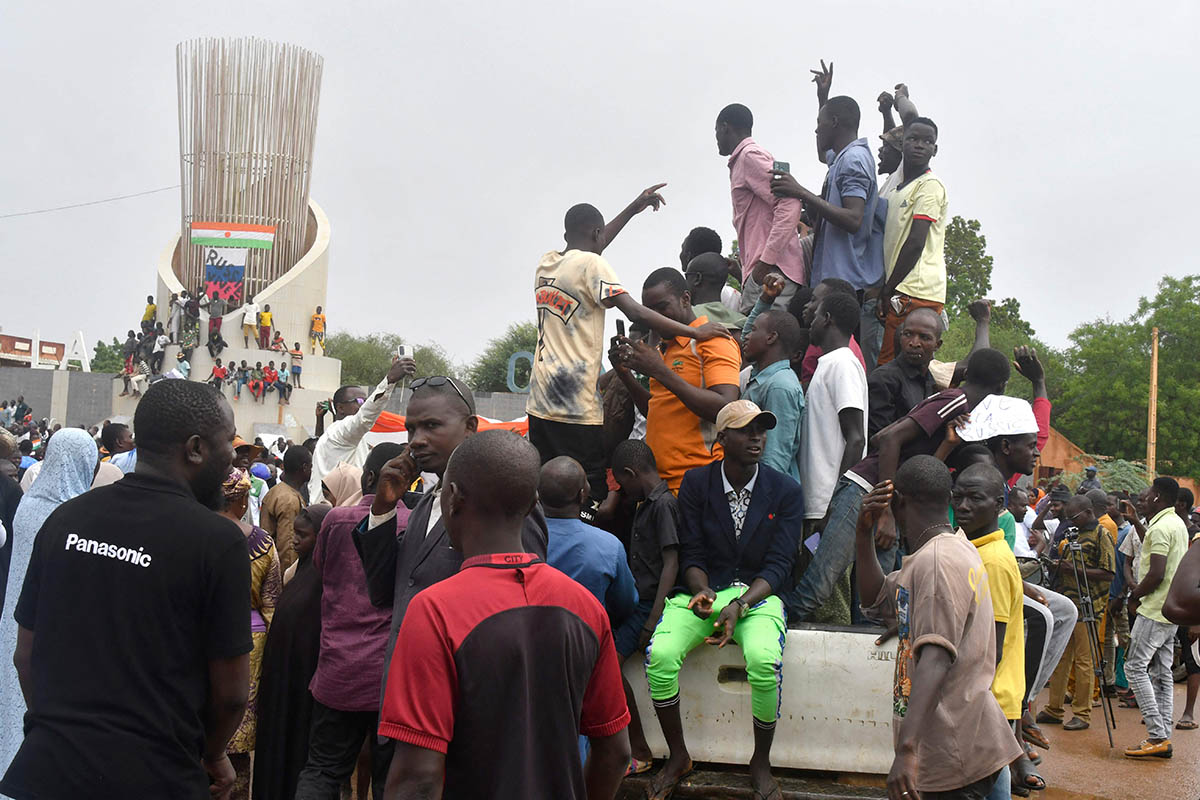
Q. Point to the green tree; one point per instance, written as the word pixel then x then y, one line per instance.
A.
pixel 968 265
pixel 365 359
pixel 1104 405
pixel 969 276
pixel 107 357
pixel 489 373
pixel 958 340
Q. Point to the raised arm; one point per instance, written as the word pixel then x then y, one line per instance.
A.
pixel 823 78
pixel 369 412
pixel 886 101
pixel 772 286
pixel 664 326
pixel 649 198
pixel 378 544
pixel 904 106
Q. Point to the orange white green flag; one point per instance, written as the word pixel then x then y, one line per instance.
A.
pixel 233 234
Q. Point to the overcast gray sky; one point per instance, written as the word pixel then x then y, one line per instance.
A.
pixel 452 137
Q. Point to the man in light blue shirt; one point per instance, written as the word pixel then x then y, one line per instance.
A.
pixel 848 240
pixel 592 557
pixel 771 343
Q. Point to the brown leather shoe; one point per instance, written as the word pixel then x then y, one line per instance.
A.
pixel 1148 748
pixel 1076 724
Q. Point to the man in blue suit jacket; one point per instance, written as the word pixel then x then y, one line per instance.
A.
pixel 740 525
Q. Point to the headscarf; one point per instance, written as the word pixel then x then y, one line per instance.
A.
pixel 66 473
pixel 345 484
pixel 236 485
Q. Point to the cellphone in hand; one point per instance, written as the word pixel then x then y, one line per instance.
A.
pixel 400 350
pixel 621 327
pixel 781 167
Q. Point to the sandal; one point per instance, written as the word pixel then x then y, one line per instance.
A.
pixel 1128 702
pixel 1186 725
pixel 1032 754
pixel 1023 770
pixel 662 788
pixel 775 794
pixel 1033 734
pixel 638 767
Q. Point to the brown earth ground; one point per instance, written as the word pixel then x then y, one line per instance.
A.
pixel 1079 766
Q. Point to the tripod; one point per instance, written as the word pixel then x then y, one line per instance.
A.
pixel 1087 615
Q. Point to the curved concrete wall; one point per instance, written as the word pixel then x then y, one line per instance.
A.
pixel 293 298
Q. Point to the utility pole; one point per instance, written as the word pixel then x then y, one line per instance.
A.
pixel 1152 427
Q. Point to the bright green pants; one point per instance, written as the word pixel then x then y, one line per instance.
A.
pixel 760 634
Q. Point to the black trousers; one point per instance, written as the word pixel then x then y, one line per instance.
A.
pixel 334 742
pixel 584 443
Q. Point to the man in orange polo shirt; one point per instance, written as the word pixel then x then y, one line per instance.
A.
pixel 690 381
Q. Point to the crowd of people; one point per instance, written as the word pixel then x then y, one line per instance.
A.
pixel 144 351
pixel 775 443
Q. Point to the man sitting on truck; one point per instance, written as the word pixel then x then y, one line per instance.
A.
pixel 739 526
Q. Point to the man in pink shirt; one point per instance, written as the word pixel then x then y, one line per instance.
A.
pixel 765 224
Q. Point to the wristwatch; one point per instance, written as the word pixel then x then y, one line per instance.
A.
pixel 744 606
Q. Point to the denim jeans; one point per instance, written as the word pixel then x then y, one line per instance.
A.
pixel 834 554
pixel 870 333
pixel 1148 669
pixel 1002 789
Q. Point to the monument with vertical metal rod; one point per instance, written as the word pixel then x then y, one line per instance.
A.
pixel 248 229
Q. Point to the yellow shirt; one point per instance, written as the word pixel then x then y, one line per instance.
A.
pixel 924 198
pixel 151 312
pixel 1004 581
pixel 318 323
pixel 265 318
pixel 1166 536
pixel 680 439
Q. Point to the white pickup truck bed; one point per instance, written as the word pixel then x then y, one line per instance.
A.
pixel 836 705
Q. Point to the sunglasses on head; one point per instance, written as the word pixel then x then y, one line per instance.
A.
pixel 441 380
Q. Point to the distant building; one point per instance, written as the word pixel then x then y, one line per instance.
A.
pixel 17 351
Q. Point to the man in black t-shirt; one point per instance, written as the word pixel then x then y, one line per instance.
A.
pixel 134 619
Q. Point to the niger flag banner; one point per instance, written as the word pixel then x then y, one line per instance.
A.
pixel 233 234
